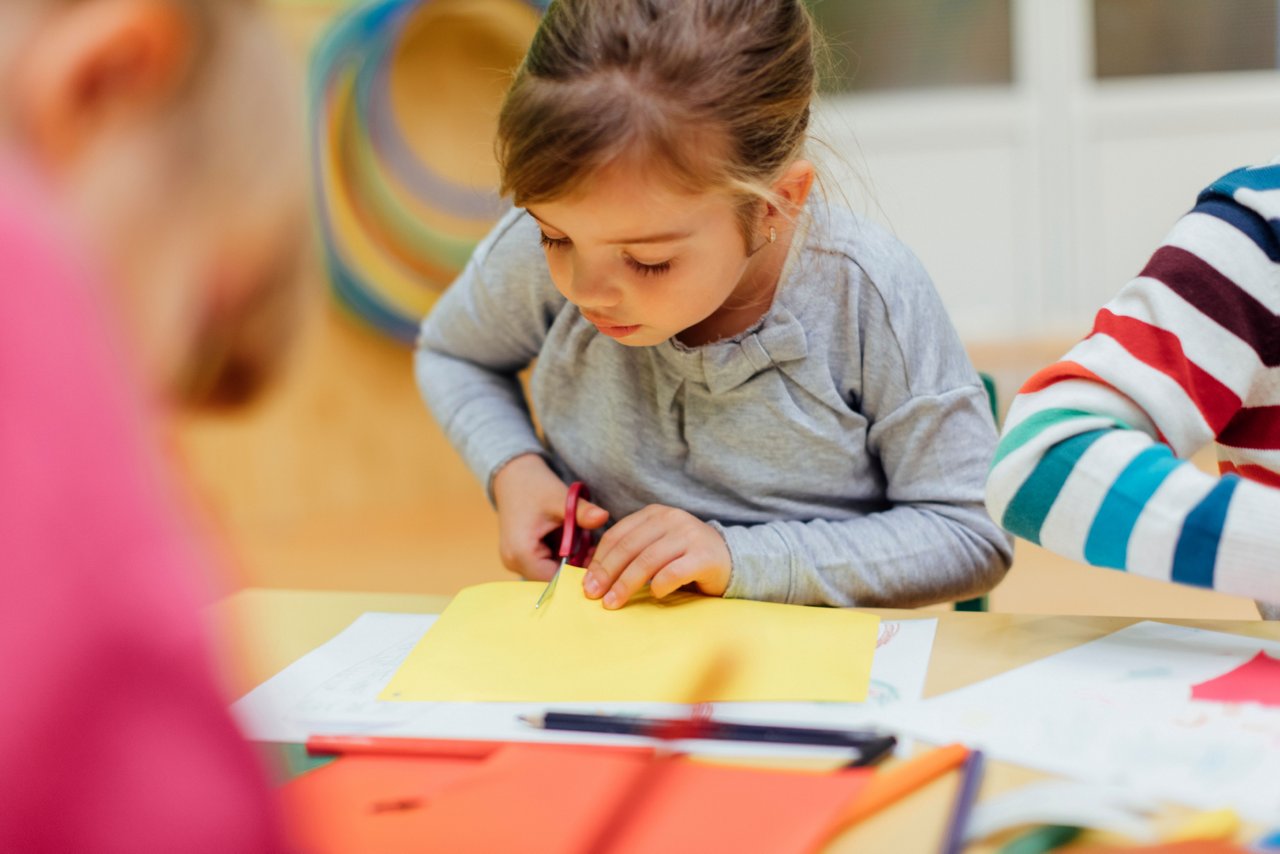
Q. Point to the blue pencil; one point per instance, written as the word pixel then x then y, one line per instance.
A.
pixel 966 797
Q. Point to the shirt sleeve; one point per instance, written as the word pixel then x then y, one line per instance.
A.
pixel 1093 461
pixel 489 325
pixel 933 435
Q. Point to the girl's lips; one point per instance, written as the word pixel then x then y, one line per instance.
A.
pixel 610 327
pixel 616 331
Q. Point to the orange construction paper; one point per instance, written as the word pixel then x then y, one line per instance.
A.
pixel 365 803
pixel 696 806
pixel 561 799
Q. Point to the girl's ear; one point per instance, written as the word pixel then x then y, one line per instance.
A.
pixel 99 66
pixel 792 189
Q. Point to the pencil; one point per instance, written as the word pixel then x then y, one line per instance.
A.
pixel 970 782
pixel 892 784
pixel 440 748
pixel 698 728
pixel 436 748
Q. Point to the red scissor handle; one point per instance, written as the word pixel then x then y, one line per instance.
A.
pixel 575 542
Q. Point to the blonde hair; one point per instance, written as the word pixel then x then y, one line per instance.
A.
pixel 229 117
pixel 227 143
pixel 715 94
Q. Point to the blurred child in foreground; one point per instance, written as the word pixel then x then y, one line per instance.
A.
pixel 150 218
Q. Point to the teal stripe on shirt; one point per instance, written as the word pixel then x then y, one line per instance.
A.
pixel 1026 512
pixel 1108 540
pixel 1258 178
pixel 1026 430
pixel 1195 557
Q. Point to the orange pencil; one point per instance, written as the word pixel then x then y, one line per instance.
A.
pixel 892 784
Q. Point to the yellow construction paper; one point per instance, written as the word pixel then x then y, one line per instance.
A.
pixel 491 644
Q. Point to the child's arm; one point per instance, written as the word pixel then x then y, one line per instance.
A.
pixel 1092 461
pixel 488 326
pixel 935 542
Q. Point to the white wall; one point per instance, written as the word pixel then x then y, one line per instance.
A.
pixel 1032 204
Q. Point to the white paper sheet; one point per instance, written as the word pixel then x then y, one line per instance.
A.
pixel 1118 711
pixel 333 689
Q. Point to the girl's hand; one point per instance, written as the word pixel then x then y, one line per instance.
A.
pixel 663 547
pixel 530 501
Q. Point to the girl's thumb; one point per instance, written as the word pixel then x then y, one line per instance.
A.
pixel 590 516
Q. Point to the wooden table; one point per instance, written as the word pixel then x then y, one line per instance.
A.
pixel 269 629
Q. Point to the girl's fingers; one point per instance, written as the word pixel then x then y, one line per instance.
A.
pixel 541 569
pixel 596 582
pixel 537 563
pixel 644 566
pixel 524 550
pixel 616 549
pixel 591 516
pixel 676 574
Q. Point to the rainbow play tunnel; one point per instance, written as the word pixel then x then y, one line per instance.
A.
pixel 404 103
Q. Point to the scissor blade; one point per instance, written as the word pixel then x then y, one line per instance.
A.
pixel 551 585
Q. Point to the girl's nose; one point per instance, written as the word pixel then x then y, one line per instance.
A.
pixel 589 288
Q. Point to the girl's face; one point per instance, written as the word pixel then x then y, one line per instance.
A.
pixel 645 263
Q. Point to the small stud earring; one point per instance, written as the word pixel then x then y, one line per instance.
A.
pixel 773 234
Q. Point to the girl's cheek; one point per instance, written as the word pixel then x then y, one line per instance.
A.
pixel 560 272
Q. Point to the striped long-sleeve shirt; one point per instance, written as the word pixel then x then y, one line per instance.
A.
pixel 1092 463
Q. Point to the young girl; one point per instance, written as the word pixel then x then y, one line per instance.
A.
pixel 149 214
pixel 761 390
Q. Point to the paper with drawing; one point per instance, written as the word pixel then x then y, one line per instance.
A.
pixel 1120 710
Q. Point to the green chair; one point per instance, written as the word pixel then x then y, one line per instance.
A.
pixel 980 603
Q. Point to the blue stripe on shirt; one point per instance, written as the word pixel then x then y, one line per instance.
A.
pixel 1247 221
pixel 1197 550
pixel 1108 540
pixel 1026 513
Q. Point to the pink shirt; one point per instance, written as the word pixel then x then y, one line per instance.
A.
pixel 114 736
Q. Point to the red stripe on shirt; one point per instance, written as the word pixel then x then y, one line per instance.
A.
pixel 1255 427
pixel 1060 372
pixel 1252 472
pixel 1162 350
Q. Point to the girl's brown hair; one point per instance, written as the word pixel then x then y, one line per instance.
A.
pixel 714 93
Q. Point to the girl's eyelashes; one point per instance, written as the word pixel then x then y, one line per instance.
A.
pixel 642 269
pixel 647 269
pixel 552 242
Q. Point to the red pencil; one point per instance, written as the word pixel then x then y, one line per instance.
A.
pixel 439 748
pixel 442 748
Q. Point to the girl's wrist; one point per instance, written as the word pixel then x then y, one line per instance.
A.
pixel 516 469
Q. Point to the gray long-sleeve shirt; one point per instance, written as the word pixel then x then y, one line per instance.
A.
pixel 840 446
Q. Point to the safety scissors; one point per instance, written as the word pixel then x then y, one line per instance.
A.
pixel 576 543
